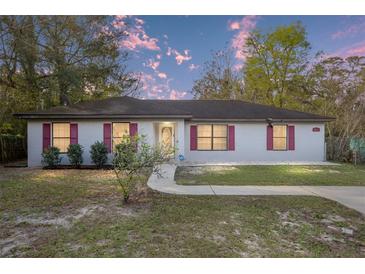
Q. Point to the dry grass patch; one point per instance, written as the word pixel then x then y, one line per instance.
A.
pixel 75 214
pixel 344 174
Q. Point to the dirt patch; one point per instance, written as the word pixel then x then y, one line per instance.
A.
pixel 334 171
pixel 25 230
pixel 65 221
pixel 254 247
pixel 218 238
pixel 17 240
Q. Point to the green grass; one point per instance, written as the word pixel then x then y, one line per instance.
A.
pixel 158 225
pixel 272 175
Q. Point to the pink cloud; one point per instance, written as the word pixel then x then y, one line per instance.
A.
pixel 151 86
pixel 119 22
pixel 169 51
pixel 152 64
pixel 357 49
pixel 120 17
pixel 360 50
pixel 137 37
pixel 245 26
pixel 193 67
pixel 139 21
pixel 162 75
pixel 179 57
pixel 159 88
pixel 237 67
pixel 234 25
pixel 176 95
pixel 351 30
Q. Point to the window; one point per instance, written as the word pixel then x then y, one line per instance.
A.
pixel 119 130
pixel 61 136
pixel 279 137
pixel 212 137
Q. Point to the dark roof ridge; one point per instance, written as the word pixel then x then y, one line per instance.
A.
pixel 228 100
pixel 124 106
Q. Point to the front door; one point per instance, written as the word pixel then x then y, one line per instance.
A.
pixel 167 137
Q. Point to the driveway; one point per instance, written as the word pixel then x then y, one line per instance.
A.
pixel 350 196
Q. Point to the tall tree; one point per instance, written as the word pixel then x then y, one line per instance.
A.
pixel 220 79
pixel 337 89
pixel 48 60
pixel 275 61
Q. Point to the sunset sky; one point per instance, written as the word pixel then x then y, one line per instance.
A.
pixel 169 51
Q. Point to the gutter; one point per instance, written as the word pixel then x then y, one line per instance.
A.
pixel 327 119
pixel 96 116
pixel 28 116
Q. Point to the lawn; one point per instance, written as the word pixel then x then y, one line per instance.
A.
pixel 344 175
pixel 71 213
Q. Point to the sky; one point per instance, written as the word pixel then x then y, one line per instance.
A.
pixel 169 51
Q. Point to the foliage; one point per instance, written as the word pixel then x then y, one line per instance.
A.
pixel 336 87
pixel 52 60
pixel 99 154
pixel 133 157
pixel 220 79
pixel 74 153
pixel 12 147
pixel 274 64
pixel 51 157
pixel 278 72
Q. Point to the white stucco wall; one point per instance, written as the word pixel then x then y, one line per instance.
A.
pixel 250 142
pixel 91 131
pixel 250 145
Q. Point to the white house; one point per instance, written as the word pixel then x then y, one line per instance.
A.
pixel 202 130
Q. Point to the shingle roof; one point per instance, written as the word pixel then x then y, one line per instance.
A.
pixel 129 107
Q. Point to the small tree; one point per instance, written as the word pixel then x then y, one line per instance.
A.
pixel 51 157
pixel 99 154
pixel 134 157
pixel 74 153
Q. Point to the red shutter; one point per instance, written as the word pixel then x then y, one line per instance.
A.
pixel 74 135
pixel 291 133
pixel 193 138
pixel 231 143
pixel 133 129
pixel 269 138
pixel 108 136
pixel 46 136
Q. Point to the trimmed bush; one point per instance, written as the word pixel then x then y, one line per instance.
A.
pixel 99 154
pixel 51 157
pixel 74 153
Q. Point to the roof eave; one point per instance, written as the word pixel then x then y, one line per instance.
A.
pixel 28 116
pixel 327 119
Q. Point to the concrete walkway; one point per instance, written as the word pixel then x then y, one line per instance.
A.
pixel 350 196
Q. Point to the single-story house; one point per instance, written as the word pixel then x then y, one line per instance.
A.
pixel 203 131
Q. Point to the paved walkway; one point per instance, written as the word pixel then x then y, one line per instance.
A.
pixel 258 163
pixel 350 196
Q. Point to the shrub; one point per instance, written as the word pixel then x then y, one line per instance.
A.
pixel 74 153
pixel 134 157
pixel 51 157
pixel 99 154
